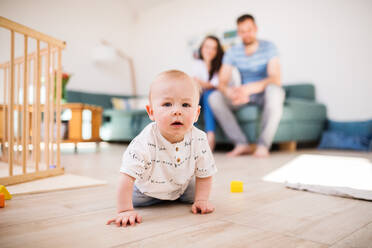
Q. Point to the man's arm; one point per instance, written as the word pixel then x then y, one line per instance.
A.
pixel 273 77
pixel 240 95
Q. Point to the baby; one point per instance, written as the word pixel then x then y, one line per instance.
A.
pixel 170 159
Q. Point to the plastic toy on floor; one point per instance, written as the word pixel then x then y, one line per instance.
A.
pixel 3 190
pixel 2 200
pixel 236 186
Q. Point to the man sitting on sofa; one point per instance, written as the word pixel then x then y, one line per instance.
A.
pixel 258 64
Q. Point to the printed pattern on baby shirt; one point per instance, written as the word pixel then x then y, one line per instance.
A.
pixel 164 170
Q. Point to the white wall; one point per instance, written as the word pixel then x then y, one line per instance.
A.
pixel 326 42
pixel 82 24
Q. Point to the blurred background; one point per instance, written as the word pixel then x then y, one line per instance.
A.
pixel 325 42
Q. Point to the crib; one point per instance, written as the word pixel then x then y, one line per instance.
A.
pixel 30 105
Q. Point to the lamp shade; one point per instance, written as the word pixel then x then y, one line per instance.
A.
pixel 102 53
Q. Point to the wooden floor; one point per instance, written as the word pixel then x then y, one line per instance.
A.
pixel 265 215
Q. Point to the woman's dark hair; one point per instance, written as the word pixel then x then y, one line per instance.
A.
pixel 217 61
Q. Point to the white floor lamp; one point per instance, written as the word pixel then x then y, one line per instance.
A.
pixel 106 51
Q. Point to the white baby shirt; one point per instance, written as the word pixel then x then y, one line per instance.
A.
pixel 163 170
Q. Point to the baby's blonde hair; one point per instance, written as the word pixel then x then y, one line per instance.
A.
pixel 176 75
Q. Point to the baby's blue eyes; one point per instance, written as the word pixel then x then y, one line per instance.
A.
pixel 168 104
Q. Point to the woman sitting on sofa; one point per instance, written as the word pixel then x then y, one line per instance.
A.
pixel 205 72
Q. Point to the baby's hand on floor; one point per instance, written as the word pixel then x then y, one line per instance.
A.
pixel 202 206
pixel 129 217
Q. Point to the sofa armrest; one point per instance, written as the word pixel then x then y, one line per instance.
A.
pixel 115 112
pixel 123 124
pixel 304 91
pixel 117 116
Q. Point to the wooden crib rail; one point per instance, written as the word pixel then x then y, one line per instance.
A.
pixel 30 57
pixel 21 142
pixel 19 28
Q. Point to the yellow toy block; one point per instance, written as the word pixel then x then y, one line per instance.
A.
pixel 5 192
pixel 236 186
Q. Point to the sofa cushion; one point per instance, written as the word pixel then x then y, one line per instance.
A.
pixel 294 110
pixel 123 124
pixel 249 112
pixel 357 128
pixel 340 140
pixel 303 110
pixel 73 96
pixel 97 99
pixel 103 100
pixel 120 103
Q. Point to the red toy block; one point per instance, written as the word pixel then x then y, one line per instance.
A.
pixel 2 200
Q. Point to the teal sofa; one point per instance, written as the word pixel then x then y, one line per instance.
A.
pixel 303 117
pixel 117 125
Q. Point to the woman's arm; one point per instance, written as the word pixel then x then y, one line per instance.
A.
pixel 204 85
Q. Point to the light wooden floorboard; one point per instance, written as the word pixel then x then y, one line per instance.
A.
pixel 264 215
pixel 222 234
pixel 361 238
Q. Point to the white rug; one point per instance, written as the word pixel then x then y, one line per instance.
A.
pixel 333 175
pixel 63 182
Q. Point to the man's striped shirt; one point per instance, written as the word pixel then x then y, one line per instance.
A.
pixel 251 67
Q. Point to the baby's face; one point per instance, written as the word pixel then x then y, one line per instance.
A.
pixel 174 107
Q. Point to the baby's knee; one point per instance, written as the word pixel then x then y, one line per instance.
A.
pixel 140 201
